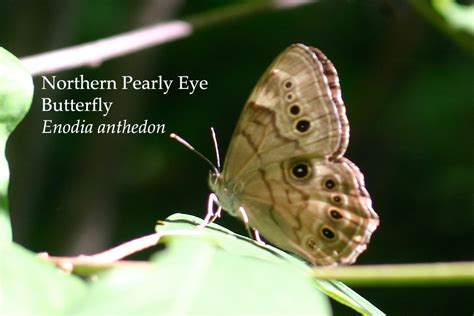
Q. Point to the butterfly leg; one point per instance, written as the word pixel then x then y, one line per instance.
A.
pixel 211 215
pixel 257 237
pixel 253 233
pixel 243 215
pixel 245 219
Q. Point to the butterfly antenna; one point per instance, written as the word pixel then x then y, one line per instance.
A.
pixel 216 148
pixel 188 145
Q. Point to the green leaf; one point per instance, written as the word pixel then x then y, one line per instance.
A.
pixel 195 278
pixel 209 271
pixel 244 246
pixel 347 296
pixel 31 286
pixel 16 91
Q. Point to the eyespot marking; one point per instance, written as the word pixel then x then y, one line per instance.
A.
pixel 289 97
pixel 288 84
pixel 303 126
pixel 311 243
pixel 328 233
pixel 329 183
pixel 295 109
pixel 335 214
pixel 301 170
pixel 337 199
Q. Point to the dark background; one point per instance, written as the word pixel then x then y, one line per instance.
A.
pixel 408 90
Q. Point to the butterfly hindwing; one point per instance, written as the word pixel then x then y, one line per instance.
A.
pixel 322 210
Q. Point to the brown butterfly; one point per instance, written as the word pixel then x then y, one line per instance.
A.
pixel 285 174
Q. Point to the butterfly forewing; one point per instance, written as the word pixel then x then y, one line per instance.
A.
pixel 294 98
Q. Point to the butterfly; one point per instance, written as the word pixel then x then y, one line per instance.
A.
pixel 284 173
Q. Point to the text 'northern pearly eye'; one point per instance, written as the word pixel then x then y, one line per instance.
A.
pixel 285 174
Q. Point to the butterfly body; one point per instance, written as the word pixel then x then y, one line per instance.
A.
pixel 285 164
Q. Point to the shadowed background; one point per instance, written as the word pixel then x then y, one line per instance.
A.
pixel 407 89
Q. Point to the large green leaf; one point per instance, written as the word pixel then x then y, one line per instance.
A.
pixel 28 285
pixel 213 271
pixel 31 286
pixel 243 246
pixel 16 91
pixel 207 272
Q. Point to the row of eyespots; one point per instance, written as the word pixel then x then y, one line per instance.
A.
pixel 302 170
pixel 294 109
pixel 331 184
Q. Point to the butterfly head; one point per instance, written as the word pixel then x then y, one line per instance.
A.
pixel 226 194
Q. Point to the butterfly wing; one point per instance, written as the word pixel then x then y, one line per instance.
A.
pixel 285 166
pixel 319 210
pixel 299 97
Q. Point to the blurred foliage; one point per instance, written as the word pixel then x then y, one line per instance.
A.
pixel 406 82
pixel 15 100
pixel 185 280
pixel 458 15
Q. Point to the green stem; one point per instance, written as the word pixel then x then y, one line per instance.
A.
pixel 423 274
pixel 228 13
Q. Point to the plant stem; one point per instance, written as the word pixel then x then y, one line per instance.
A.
pixel 87 265
pixel 423 274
